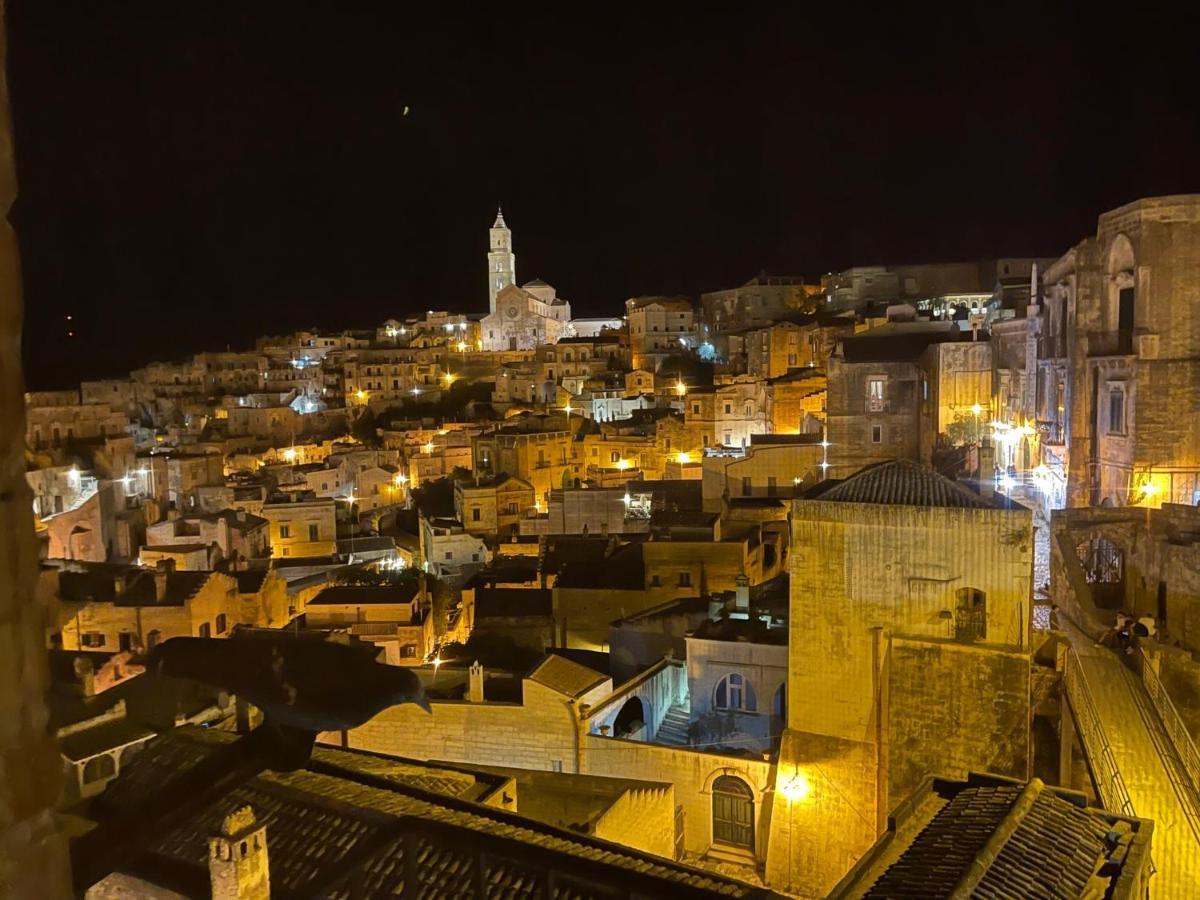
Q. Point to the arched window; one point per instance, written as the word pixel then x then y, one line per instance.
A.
pixel 970 616
pixel 733 812
pixel 735 692
pixel 98 768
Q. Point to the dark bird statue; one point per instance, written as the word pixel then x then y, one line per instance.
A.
pixel 303 686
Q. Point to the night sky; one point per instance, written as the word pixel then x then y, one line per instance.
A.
pixel 195 174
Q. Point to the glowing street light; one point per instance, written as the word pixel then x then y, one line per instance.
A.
pixel 360 395
pixel 462 346
pixel 683 457
pixel 400 480
pixel 627 499
pixel 680 388
pixel 290 454
pixel 976 409
pixel 796 788
pixel 623 464
pixel 449 378
pixel 428 448
pixel 1149 490
pixel 416 392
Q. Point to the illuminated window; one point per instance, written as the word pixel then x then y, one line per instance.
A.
pixel 876 392
pixel 285 531
pixel 92 639
pixel 685 579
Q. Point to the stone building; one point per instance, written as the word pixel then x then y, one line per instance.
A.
pixel 539 451
pixel 492 506
pixel 1120 355
pixel 391 617
pixel 526 317
pixel 764 298
pixel 126 608
pixel 909 654
pixel 659 327
pixel 301 525
pixel 234 534
pixel 726 415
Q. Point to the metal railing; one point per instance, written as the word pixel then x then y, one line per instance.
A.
pixel 1172 722
pixel 1103 764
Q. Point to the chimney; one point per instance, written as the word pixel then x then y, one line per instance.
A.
pixel 742 594
pixel 162 569
pixel 237 859
pixel 715 607
pixel 475 690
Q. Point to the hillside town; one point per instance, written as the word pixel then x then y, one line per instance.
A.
pixel 761 592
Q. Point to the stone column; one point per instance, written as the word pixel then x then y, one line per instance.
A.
pixel 33 855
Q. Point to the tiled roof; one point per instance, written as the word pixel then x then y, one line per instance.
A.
pixel 565 676
pixel 365 595
pixel 340 828
pixel 900 482
pixel 1008 839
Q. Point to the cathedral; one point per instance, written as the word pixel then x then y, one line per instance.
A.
pixel 519 318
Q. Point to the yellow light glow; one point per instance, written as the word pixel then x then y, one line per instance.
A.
pixel 796 788
pixel 976 409
pixel 449 378
pixel 290 454
pixel 623 464
pixel 462 346
pixel 680 388
pixel 400 480
pixel 1150 489
pixel 361 395
pixel 683 458
pixel 428 448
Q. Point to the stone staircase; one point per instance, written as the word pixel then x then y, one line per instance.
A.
pixel 674 727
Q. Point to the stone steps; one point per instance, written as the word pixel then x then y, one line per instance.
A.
pixel 674 727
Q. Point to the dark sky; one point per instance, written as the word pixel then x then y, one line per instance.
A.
pixel 194 174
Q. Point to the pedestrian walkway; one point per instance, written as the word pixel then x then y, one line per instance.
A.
pixel 1148 765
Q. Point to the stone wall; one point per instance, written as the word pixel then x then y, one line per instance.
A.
pixel 539 733
pixel 33 855
pixel 953 709
pixel 692 772
pixel 642 818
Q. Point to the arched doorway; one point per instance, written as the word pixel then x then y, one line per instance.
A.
pixel 630 719
pixel 733 812
pixel 779 710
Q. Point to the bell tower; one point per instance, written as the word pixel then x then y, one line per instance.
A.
pixel 237 858
pixel 502 262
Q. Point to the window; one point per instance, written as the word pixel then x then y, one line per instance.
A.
pixel 616 456
pixel 772 486
pixel 685 579
pixel 449 554
pixel 475 514
pixel 655 581
pixel 221 623
pixel 205 630
pixel 746 486
pixel 876 434
pixel 734 692
pixel 728 409
pixel 125 640
pixel 408 651
pixel 695 409
pixel 1116 410
pixel 313 532
pixel 876 392
pixel 475 557
pixel 92 639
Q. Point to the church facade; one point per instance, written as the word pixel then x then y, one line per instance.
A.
pixel 519 318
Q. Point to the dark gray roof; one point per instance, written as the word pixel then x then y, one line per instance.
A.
pixel 1054 844
pixel 338 827
pixel 102 737
pixel 364 595
pixel 504 603
pixel 251 580
pixel 899 482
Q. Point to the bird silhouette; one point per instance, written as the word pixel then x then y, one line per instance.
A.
pixel 303 686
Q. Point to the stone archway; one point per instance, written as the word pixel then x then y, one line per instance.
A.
pixel 632 718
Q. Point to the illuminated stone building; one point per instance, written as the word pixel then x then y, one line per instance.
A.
pixel 301 525
pixel 764 298
pixel 659 327
pixel 909 654
pixel 1119 356
pixel 726 415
